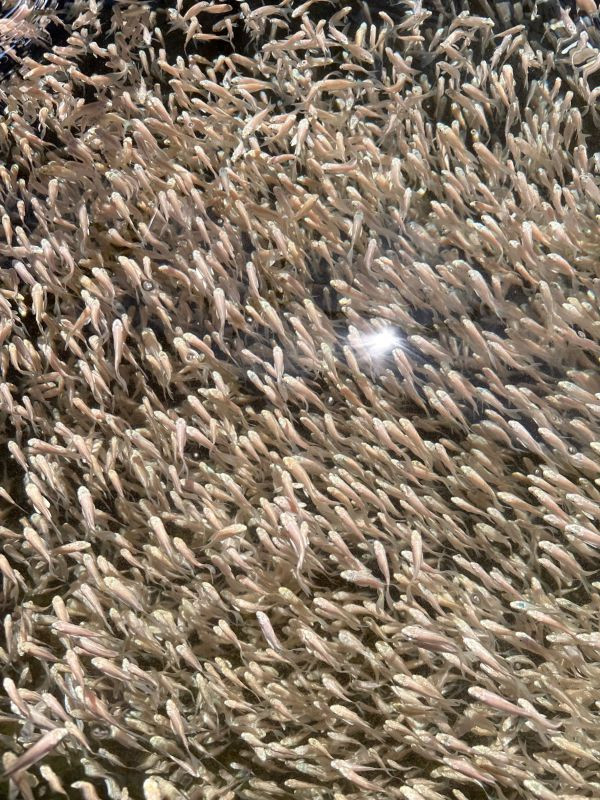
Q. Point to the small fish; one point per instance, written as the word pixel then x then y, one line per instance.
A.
pixel 45 744
pixel 500 703
pixel 428 639
pixel 87 506
pixel 268 631
pixel 416 545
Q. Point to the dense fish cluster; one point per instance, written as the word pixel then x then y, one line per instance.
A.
pixel 300 402
pixel 23 24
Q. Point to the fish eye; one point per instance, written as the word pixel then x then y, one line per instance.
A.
pixel 147 285
pixel 476 598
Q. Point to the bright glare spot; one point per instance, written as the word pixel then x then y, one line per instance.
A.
pixel 379 342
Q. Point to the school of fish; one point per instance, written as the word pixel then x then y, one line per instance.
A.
pixel 300 400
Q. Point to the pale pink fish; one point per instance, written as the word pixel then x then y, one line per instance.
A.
pixel 416 546
pixel 267 629
pixel 428 639
pixel 52 779
pixel 501 704
pixel 176 720
pixel 464 766
pixel 350 772
pixel 44 745
pixel 87 506
pixel 296 535
pixel 162 537
pixel 39 502
pixel 123 593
